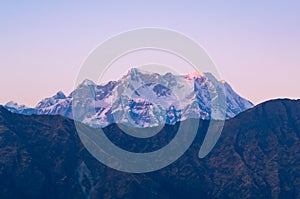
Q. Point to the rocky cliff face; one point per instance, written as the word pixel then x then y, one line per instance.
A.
pixel 257 156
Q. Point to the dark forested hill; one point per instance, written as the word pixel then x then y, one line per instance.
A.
pixel 257 156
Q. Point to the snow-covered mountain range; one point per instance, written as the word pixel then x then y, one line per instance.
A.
pixel 143 99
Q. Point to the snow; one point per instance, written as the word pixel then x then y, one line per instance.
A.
pixel 194 75
pixel 150 99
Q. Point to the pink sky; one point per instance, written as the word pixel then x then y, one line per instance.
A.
pixel 254 45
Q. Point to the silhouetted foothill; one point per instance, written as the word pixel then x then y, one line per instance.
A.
pixel 257 156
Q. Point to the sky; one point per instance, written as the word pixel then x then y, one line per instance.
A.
pixel 255 44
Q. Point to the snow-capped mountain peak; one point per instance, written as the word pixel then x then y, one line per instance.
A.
pixel 15 105
pixel 194 75
pixel 87 82
pixel 17 108
pixel 59 95
pixel 143 99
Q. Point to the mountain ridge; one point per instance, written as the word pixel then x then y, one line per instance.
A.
pixel 143 99
pixel 257 156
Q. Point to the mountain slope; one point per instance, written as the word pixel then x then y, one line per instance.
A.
pixel 143 99
pixel 257 156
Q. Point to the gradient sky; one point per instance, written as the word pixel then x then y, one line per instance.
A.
pixel 254 44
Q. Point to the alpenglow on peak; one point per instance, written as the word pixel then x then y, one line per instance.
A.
pixel 143 98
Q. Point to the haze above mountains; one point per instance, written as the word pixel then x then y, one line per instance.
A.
pixel 148 99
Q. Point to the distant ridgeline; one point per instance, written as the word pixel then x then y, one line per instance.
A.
pixel 150 99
